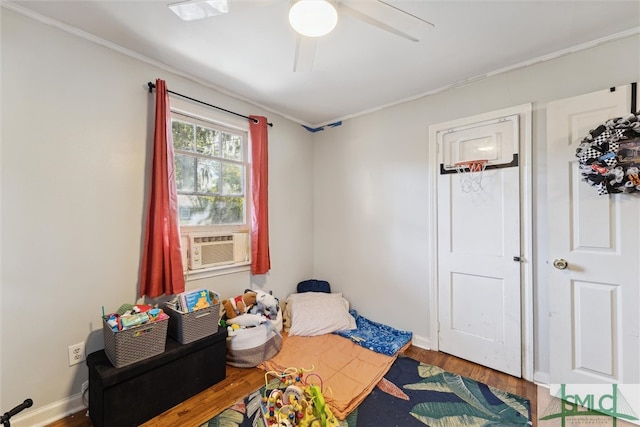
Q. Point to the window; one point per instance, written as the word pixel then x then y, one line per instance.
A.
pixel 210 170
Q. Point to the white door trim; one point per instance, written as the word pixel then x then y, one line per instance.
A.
pixel 526 221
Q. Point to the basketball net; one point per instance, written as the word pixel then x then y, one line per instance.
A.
pixel 470 174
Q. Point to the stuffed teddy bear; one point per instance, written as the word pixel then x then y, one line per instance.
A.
pixel 239 305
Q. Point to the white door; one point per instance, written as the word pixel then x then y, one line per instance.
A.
pixel 593 302
pixel 478 237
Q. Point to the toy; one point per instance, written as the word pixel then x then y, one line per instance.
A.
pixel 232 328
pixel 247 320
pixel 265 304
pixel 292 400
pixel 239 305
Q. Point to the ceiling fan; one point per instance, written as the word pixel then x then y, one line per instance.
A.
pixel 312 19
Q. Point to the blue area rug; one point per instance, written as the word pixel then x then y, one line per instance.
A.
pixel 411 394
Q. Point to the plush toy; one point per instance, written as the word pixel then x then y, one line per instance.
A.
pixel 265 304
pixel 239 305
pixel 247 320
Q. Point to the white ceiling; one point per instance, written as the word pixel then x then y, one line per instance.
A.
pixel 357 67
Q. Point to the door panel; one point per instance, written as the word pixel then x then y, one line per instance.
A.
pixel 468 314
pixel 596 328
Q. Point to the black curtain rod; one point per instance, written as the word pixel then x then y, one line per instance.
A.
pixel 152 86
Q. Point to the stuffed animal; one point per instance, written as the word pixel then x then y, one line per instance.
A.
pixel 265 304
pixel 239 305
pixel 247 320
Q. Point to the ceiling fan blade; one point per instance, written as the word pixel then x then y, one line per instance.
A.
pixel 192 10
pixel 305 53
pixel 386 17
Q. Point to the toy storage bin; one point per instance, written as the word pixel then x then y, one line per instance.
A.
pixel 249 347
pixel 132 345
pixel 188 327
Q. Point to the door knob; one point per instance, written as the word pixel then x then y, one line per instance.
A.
pixel 560 264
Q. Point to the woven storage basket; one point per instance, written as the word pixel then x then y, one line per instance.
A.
pixel 251 346
pixel 132 345
pixel 189 327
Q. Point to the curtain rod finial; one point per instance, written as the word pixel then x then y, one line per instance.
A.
pixel 151 86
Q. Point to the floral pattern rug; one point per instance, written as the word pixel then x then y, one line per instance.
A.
pixel 411 394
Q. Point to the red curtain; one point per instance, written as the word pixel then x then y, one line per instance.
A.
pixel 260 260
pixel 161 269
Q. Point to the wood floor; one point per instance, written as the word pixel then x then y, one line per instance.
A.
pixel 241 382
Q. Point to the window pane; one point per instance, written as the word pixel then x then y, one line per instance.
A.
pixel 185 173
pixel 229 210
pixel 232 178
pixel 193 210
pixel 183 135
pixel 208 141
pixel 231 146
pixel 208 176
pixel 211 210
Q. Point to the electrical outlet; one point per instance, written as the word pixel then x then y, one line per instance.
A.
pixel 76 353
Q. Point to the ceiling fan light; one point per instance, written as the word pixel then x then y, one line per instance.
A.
pixel 313 18
pixel 197 9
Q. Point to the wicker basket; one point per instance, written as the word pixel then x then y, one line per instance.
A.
pixel 189 327
pixel 132 345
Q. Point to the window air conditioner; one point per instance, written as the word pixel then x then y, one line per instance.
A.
pixel 212 250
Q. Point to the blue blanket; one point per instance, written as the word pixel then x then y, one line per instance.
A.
pixel 376 336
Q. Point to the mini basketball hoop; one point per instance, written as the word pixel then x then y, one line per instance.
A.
pixel 470 174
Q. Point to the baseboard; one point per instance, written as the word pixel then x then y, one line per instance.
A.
pixel 421 342
pixel 541 378
pixel 50 413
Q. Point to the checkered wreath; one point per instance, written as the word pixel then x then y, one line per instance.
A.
pixel 610 156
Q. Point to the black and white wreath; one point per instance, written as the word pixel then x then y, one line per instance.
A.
pixel 610 156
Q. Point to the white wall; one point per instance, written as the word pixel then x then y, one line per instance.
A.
pixel 76 132
pixel 372 186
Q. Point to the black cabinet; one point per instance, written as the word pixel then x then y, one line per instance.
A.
pixel 133 394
